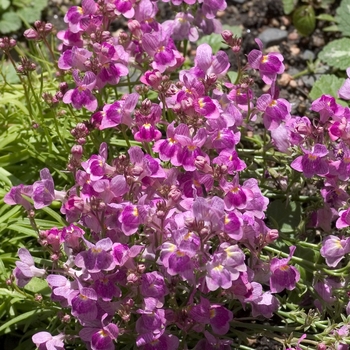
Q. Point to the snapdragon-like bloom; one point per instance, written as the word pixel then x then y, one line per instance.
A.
pixel 268 65
pixel 334 249
pixel 327 107
pixel 100 338
pixel 344 91
pixel 344 219
pixel 275 110
pixel 25 269
pixel 82 95
pixel 45 341
pixel 283 275
pixel 76 16
pixel 312 162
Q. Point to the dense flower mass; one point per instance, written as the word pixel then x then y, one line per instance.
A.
pixel 164 240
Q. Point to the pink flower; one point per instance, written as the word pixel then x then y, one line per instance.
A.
pixel 268 65
pixel 45 341
pixel 334 249
pixel 283 276
pixel 312 162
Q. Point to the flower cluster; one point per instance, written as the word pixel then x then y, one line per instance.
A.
pixel 163 238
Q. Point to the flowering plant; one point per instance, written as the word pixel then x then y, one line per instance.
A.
pixel 168 242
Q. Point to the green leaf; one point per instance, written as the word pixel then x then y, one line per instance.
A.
pixel 29 14
pixel 304 20
pixel 343 17
pixel 327 85
pixel 10 22
pixel 288 6
pixel 285 214
pixel 233 76
pixel 236 30
pixel 213 40
pixel 8 73
pixel 4 4
pixel 337 53
pixel 216 41
pixel 326 17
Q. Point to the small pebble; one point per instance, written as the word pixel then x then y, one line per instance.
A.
pixel 285 79
pixel 293 84
pixel 272 36
pixel 293 36
pixel 294 50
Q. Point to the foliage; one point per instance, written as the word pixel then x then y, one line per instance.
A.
pixel 16 13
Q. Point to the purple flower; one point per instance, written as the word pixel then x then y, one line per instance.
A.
pixel 344 219
pixel 153 285
pixel 236 196
pixel 161 48
pixel 275 110
pixel 100 338
pixel 190 150
pixel 344 91
pixel 206 63
pixel 97 257
pixel 268 65
pixel 283 275
pixel 117 113
pixel 183 28
pixel 25 269
pixel 169 148
pixel 15 196
pixel 82 96
pixel 74 58
pixel 327 107
pixel 312 162
pixel 45 341
pixel 225 267
pixel 44 192
pixel 76 15
pixel 84 304
pixel 265 305
pixel 334 249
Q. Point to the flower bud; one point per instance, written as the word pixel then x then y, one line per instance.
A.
pixel 31 34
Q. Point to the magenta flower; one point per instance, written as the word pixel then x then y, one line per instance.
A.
pixel 283 276
pixel 268 65
pixel 117 113
pixel 15 196
pixel 312 162
pixel 44 192
pixel 45 341
pixel 97 257
pixel 275 110
pixel 82 95
pixel 76 15
pixel 101 338
pixel 124 7
pixel 190 150
pixel 236 196
pixel 153 285
pixel 344 219
pixel 265 305
pixel 344 91
pixel 74 58
pixel 161 48
pixel 207 64
pixel 84 304
pixel 25 269
pixel 327 107
pixel 334 249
